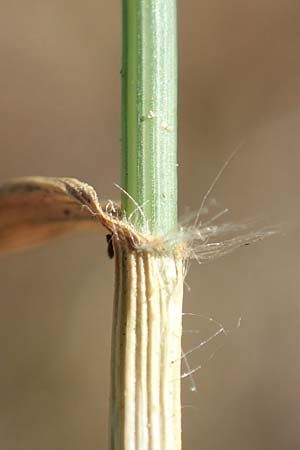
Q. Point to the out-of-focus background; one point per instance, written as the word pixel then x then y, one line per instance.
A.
pixel 59 115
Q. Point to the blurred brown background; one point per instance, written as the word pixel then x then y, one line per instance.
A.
pixel 59 115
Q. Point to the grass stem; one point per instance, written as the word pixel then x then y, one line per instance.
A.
pixel 149 113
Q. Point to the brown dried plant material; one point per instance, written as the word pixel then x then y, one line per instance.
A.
pixel 36 209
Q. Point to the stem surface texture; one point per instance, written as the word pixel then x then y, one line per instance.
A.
pixel 149 114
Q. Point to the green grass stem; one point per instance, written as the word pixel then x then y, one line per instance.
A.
pixel 149 114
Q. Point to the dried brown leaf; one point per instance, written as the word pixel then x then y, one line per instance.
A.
pixel 36 209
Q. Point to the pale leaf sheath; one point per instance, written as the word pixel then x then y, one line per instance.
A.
pixel 36 209
pixel 146 351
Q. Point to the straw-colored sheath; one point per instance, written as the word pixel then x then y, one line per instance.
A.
pixel 146 351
